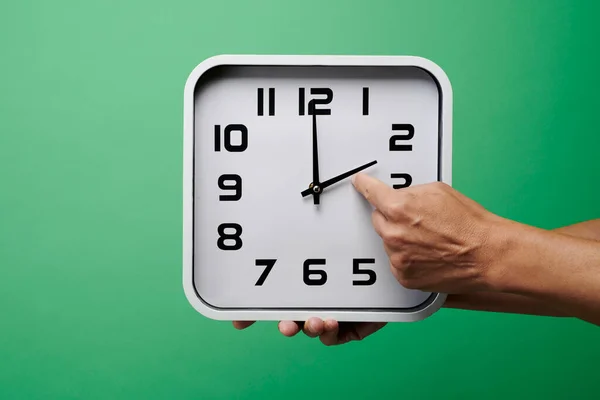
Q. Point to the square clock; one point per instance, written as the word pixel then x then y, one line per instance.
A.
pixel 273 228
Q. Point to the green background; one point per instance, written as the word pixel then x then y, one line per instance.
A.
pixel 91 300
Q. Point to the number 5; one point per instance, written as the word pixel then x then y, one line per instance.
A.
pixel 356 270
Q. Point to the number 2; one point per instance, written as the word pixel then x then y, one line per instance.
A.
pixel 394 139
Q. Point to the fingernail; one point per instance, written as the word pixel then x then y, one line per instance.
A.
pixel 310 326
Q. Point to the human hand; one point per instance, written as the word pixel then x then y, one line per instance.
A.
pixel 330 332
pixel 437 239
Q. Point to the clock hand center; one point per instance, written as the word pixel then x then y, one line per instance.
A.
pixel 311 189
pixel 314 188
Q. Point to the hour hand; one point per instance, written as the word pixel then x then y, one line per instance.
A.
pixel 335 179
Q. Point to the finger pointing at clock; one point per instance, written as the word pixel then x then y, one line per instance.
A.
pixel 436 239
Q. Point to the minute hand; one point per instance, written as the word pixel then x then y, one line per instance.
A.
pixel 338 178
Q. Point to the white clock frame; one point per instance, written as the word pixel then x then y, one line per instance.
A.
pixel 359 315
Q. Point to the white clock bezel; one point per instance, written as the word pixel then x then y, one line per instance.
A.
pixel 445 126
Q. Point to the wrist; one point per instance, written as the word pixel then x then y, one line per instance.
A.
pixel 503 254
pixel 554 269
pixel 526 260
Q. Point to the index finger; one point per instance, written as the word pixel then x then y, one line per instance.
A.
pixel 373 190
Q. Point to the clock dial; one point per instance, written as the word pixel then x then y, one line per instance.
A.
pixel 277 225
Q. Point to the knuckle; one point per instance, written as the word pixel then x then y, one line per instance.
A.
pixel 440 186
pixel 403 279
pixel 397 208
pixel 408 283
pixel 403 270
pixel 398 261
pixel 388 235
pixel 366 193
pixel 392 236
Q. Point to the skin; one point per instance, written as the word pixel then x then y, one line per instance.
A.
pixel 438 240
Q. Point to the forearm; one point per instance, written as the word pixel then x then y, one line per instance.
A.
pixel 518 303
pixel 502 303
pixel 583 230
pixel 549 267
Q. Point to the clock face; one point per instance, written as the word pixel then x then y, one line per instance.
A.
pixel 269 239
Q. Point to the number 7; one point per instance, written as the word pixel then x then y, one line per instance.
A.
pixel 268 264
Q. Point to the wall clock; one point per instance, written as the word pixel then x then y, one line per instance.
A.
pixel 273 228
